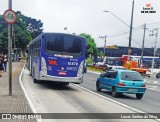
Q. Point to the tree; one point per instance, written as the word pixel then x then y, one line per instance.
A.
pixel 25 29
pixel 33 26
pixel 100 54
pixel 3 33
pixel 91 48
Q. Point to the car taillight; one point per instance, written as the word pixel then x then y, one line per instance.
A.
pixel 143 85
pixel 121 84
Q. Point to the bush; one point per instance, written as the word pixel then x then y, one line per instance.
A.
pixel 89 62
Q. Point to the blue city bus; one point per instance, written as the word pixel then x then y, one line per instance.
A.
pixel 57 57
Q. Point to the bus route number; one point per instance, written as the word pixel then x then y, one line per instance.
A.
pixel 73 63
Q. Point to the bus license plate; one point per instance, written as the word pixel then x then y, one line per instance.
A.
pixel 62 73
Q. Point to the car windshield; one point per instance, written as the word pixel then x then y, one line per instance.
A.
pixel 131 76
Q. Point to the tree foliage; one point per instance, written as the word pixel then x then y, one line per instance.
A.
pixel 91 47
pixel 3 33
pixel 100 54
pixel 24 30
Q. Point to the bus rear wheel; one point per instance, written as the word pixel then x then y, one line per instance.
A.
pixel 64 84
pixel 35 80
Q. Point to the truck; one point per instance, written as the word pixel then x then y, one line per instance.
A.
pixel 135 65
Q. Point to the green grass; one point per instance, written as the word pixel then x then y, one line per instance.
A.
pixel 94 69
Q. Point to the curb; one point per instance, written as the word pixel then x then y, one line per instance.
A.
pixel 26 94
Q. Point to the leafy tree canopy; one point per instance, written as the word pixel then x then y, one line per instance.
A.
pixel 24 30
pixel 91 47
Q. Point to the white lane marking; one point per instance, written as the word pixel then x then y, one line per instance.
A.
pixel 26 94
pixel 114 101
pixel 152 86
pixel 152 81
pixel 153 89
pixel 155 82
pixel 93 72
pixel 126 106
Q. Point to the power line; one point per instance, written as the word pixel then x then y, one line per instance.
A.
pixel 134 29
pixel 153 23
pixel 124 32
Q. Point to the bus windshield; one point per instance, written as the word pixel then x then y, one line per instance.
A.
pixel 60 44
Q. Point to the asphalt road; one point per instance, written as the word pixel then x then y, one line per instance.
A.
pixel 149 103
pixel 48 97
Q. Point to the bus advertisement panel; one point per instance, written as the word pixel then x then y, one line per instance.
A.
pixel 57 57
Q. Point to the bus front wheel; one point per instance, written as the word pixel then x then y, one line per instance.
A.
pixel 34 80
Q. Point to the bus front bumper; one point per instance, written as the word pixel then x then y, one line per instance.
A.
pixel 76 80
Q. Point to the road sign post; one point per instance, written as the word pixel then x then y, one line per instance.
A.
pixel 10 18
pixel 129 54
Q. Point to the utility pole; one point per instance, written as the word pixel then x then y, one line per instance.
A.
pixel 143 44
pixel 130 35
pixel 104 37
pixel 156 34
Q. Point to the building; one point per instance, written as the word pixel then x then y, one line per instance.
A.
pixel 120 50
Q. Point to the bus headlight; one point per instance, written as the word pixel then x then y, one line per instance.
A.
pixel 43 66
pixel 80 69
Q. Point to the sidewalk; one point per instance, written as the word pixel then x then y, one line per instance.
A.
pixel 17 103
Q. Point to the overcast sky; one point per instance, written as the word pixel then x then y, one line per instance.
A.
pixel 87 16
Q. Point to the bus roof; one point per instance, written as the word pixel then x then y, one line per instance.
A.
pixel 44 33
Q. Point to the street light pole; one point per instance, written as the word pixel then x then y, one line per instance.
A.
pixel 130 35
pixel 117 17
pixel 65 28
pixel 10 51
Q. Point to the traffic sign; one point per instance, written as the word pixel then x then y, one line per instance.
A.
pixel 9 16
pixel 129 51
